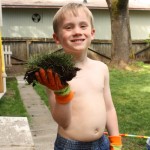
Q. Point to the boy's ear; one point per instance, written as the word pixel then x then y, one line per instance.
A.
pixel 56 39
pixel 93 33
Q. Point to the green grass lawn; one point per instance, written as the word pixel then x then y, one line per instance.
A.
pixel 11 103
pixel 40 89
pixel 131 96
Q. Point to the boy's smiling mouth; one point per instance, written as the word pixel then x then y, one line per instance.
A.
pixel 77 40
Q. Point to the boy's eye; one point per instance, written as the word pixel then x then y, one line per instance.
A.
pixel 83 26
pixel 68 27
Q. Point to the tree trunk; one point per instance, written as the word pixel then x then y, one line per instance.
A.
pixel 120 29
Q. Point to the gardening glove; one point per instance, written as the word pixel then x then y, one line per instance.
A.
pixel 115 142
pixel 63 93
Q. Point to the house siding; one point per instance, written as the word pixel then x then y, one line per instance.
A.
pixel 140 24
pixel 102 24
pixel 18 23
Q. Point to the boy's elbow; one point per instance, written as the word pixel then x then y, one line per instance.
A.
pixel 65 125
pixel 63 122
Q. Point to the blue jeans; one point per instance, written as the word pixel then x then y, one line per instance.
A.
pixel 67 144
pixel 148 147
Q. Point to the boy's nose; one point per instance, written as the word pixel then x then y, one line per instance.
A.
pixel 77 31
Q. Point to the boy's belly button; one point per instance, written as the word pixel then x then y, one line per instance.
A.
pixel 96 130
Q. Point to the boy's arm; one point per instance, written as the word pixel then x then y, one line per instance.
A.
pixel 112 121
pixel 60 113
pixel 59 96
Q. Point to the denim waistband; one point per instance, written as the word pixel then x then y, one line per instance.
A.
pixel 68 144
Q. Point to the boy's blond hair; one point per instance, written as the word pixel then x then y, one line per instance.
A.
pixel 70 8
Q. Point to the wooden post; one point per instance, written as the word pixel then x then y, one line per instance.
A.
pixel 1 69
pixel 1 56
pixel 1 79
pixel 1 66
pixel 28 44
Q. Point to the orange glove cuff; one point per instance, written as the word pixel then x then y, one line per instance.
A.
pixel 64 99
pixel 115 141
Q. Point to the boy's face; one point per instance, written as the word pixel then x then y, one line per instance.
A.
pixel 75 32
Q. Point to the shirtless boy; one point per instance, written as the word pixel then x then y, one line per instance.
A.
pixel 86 109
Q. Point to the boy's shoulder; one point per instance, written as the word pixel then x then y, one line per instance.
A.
pixel 98 63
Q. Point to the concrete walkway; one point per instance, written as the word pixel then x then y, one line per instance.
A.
pixel 43 127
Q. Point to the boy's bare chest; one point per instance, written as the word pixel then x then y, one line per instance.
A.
pixel 93 80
